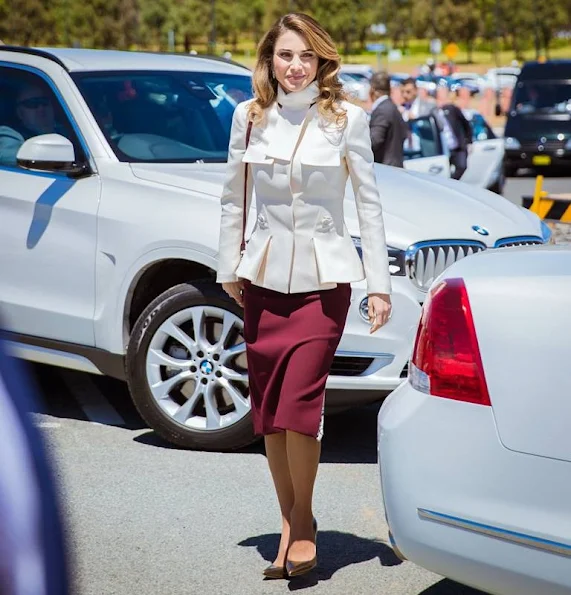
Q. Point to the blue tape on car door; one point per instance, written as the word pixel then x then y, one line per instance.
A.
pixel 43 209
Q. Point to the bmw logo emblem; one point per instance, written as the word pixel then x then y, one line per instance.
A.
pixel 481 230
pixel 206 367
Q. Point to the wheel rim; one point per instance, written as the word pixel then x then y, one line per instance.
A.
pixel 196 368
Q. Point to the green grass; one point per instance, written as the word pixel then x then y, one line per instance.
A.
pixel 418 54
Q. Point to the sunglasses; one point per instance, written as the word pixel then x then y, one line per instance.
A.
pixel 35 102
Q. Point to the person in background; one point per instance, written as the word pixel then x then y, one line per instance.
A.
pixel 388 129
pixel 33 557
pixel 414 106
pixel 457 134
pixel 34 115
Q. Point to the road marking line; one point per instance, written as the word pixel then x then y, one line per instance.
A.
pixel 94 404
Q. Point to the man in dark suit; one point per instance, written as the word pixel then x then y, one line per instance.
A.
pixel 457 134
pixel 388 129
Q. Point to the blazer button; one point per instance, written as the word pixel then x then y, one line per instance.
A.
pixel 326 224
pixel 262 222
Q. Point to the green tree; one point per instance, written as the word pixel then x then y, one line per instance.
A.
pixel 26 22
pixel 551 17
pixel 459 20
pixel 97 23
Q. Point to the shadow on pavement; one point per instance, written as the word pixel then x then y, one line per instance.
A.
pixel 335 550
pixel 350 437
pixel 448 587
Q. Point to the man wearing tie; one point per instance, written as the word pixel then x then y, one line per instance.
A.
pixel 388 129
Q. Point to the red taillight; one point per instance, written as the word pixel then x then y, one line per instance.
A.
pixel 446 359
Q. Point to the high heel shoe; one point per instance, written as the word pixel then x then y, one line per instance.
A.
pixel 275 572
pixel 298 568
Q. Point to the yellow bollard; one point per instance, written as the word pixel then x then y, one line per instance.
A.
pixel 540 206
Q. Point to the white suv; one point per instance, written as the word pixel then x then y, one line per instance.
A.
pixel 111 168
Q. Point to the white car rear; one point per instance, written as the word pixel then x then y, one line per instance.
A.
pixel 475 448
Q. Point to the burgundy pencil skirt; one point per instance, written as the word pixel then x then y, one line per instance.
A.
pixel 291 340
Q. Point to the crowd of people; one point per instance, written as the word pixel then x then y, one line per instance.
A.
pixel 390 133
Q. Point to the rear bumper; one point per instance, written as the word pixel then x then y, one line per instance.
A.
pixel 440 459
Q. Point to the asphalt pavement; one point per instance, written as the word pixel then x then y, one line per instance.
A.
pixel 144 518
pixel 524 183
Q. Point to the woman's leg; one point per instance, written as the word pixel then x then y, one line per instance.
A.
pixel 303 454
pixel 278 462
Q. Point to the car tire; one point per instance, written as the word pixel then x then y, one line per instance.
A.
pixel 207 406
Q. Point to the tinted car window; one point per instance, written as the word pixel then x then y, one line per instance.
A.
pixel 423 139
pixel 29 107
pixel 542 97
pixel 480 128
pixel 165 117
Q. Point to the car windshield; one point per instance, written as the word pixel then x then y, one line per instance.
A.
pixel 537 97
pixel 165 117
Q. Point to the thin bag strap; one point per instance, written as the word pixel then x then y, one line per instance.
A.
pixel 244 211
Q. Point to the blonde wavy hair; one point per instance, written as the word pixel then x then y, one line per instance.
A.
pixel 266 85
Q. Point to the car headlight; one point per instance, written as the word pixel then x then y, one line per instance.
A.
pixel 546 233
pixel 511 143
pixel 396 258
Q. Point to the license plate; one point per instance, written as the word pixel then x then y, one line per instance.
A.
pixel 541 160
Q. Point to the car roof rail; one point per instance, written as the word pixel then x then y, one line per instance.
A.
pixel 33 52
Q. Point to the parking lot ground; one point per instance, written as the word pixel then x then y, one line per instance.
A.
pixel 144 518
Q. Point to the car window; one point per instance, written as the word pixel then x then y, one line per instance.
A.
pixel 480 128
pixel 542 98
pixel 165 117
pixel 29 107
pixel 423 139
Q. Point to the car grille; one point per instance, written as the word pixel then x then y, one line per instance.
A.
pixel 549 146
pixel 523 241
pixel 350 366
pixel 426 260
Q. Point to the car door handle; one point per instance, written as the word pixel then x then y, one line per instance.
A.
pixel 489 148
pixel 435 169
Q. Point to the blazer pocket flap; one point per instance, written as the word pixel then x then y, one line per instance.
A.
pixel 320 156
pixel 337 259
pixel 252 259
pixel 256 153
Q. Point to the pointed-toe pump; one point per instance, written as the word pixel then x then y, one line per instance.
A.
pixel 275 572
pixel 299 568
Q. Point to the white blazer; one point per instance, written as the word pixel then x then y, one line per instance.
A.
pixel 299 167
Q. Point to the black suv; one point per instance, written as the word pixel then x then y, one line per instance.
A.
pixel 538 129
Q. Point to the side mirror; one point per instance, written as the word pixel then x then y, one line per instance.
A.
pixel 52 153
pixel 498 110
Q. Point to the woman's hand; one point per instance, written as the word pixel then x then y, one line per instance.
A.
pixel 380 309
pixel 235 290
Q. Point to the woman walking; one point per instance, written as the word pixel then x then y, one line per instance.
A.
pixel 297 142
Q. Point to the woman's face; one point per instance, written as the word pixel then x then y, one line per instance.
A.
pixel 294 62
